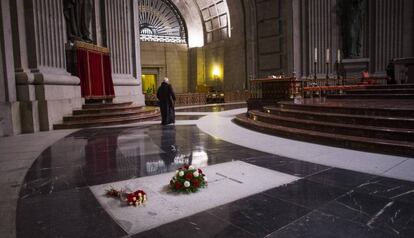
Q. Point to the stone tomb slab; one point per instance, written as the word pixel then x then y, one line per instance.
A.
pixel 227 182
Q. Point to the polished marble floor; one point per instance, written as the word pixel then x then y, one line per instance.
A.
pixel 212 107
pixel 55 199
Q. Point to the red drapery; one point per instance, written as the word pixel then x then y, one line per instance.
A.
pixel 94 70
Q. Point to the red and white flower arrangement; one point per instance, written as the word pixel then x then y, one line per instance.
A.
pixel 136 198
pixel 188 179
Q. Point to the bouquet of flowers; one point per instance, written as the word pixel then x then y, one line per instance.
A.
pixel 134 199
pixel 188 179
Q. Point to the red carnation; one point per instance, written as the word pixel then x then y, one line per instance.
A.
pixel 186 166
pixel 178 185
pixel 200 171
pixel 189 176
pixel 130 197
pixel 195 182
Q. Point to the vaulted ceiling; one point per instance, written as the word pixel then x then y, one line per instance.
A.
pixel 205 21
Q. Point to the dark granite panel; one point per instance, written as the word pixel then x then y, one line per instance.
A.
pixel 200 225
pixel 394 189
pixel 47 181
pixel 306 193
pixel 286 165
pixel 341 178
pixel 259 214
pixel 321 225
pixel 71 213
pixel 374 212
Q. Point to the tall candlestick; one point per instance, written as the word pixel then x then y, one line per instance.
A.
pixel 316 55
pixel 327 55
pixel 339 56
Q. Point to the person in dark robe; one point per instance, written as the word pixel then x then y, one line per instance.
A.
pixel 166 97
pixel 390 73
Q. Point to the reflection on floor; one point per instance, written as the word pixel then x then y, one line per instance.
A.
pixel 188 117
pixel 55 199
pixel 213 107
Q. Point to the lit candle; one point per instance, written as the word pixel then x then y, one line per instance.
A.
pixel 339 56
pixel 327 55
pixel 316 55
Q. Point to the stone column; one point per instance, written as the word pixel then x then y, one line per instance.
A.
pixel 122 39
pixel 388 32
pixel 408 29
pixel 9 107
pixel 296 24
pixel 235 63
pixel 250 39
pixel 319 30
pixel 47 91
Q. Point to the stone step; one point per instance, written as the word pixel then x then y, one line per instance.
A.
pixel 107 110
pixel 107 122
pixel 110 115
pixel 398 134
pixel 354 142
pixel 341 109
pixel 382 91
pixel 353 119
pixel 371 96
pixel 105 105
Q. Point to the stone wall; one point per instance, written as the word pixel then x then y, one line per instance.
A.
pixel 274 37
pixel 387 34
pixel 228 55
pixel 166 60
pixel 390 35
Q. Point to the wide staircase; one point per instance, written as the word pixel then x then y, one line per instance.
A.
pixel 380 130
pixel 106 114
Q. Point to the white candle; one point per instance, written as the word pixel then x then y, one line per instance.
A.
pixel 339 56
pixel 316 55
pixel 327 55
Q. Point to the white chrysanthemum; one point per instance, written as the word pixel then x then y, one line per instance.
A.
pixel 186 184
pixel 196 174
pixel 181 173
pixel 190 167
pixel 176 172
pixel 205 178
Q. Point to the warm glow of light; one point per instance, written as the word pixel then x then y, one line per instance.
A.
pixel 216 71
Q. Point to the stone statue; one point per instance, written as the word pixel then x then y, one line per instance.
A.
pixel 78 17
pixel 351 19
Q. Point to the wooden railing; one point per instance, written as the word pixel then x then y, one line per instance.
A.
pixel 183 99
pixel 268 91
pixel 190 99
pixel 335 85
pixel 308 82
pixel 275 89
pixel 236 96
